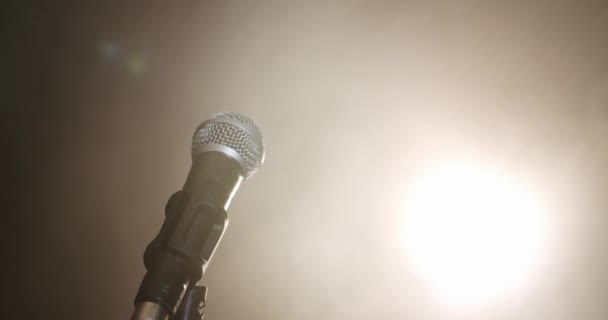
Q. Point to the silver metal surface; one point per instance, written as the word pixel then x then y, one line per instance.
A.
pixel 149 311
pixel 233 134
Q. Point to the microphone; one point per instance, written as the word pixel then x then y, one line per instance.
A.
pixel 225 150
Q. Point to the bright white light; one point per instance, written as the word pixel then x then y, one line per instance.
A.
pixel 473 233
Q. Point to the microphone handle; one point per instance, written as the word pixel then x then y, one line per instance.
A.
pixel 195 222
pixel 149 311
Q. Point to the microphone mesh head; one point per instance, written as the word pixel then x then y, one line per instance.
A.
pixel 234 134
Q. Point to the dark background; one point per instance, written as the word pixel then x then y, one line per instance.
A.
pixel 353 97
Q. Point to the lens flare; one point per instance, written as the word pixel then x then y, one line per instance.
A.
pixel 136 64
pixel 473 233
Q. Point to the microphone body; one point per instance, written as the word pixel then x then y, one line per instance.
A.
pixel 196 216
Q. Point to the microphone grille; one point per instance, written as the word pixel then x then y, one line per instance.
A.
pixel 233 134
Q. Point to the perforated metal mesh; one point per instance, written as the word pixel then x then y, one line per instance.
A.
pixel 236 132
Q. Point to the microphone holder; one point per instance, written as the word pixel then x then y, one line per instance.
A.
pixel 193 304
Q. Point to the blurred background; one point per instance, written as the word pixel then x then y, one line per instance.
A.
pixel 360 102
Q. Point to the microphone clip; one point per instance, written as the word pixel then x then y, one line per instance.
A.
pixel 193 304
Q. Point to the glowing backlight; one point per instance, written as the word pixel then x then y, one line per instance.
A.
pixel 472 232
